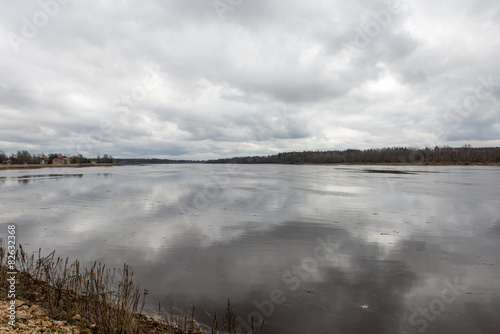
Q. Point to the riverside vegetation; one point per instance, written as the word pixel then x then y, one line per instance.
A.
pixel 390 155
pixel 54 295
pixel 444 155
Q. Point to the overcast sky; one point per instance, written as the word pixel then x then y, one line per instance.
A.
pixel 204 79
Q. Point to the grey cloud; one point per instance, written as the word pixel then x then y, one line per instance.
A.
pixel 268 76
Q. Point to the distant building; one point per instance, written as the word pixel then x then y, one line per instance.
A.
pixel 60 161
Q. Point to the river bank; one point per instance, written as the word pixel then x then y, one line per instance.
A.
pixel 405 164
pixel 27 167
pixel 52 295
pixel 54 166
pixel 34 319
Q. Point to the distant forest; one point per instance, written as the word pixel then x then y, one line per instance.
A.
pixel 406 155
pixel 152 161
pixel 26 158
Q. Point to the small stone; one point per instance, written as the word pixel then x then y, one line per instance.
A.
pixel 46 323
pixel 77 329
pixel 33 309
pixel 19 303
pixel 22 314
pixel 40 312
pixel 77 317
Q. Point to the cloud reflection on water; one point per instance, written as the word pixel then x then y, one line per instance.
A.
pixel 397 244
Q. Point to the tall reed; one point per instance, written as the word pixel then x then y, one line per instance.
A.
pixel 106 299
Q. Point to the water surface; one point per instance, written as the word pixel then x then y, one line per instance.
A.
pixel 309 249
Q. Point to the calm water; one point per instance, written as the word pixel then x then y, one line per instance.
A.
pixel 311 249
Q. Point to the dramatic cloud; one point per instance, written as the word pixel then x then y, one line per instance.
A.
pixel 203 79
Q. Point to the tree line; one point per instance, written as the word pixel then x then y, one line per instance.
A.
pixel 26 158
pixel 152 161
pixel 436 155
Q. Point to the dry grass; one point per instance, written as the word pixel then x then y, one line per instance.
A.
pixel 106 299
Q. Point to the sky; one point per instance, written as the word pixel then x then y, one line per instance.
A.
pixel 205 79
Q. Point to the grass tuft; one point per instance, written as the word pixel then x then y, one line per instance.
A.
pixel 105 300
